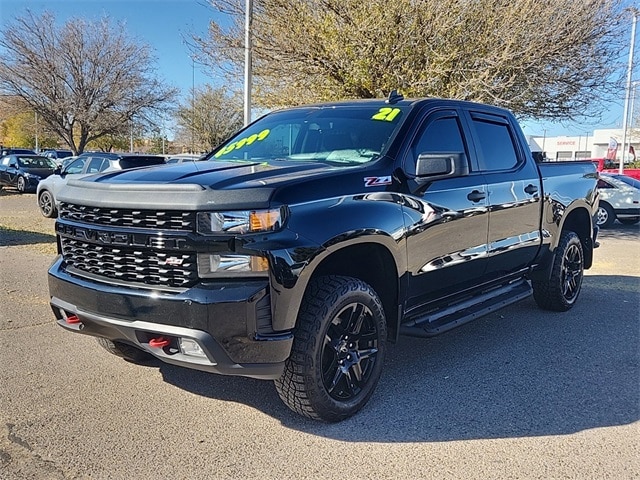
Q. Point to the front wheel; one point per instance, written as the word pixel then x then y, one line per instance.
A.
pixel 46 204
pixel 21 185
pixel 338 350
pixel 560 292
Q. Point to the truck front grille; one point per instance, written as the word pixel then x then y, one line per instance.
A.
pixel 144 266
pixel 121 217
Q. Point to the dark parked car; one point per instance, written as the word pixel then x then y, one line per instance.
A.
pixel 83 165
pixel 24 172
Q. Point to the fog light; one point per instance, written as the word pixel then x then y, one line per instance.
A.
pixel 191 347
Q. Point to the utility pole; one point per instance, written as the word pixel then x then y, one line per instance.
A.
pixel 248 18
pixel 625 149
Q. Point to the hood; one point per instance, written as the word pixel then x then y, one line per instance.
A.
pixel 40 172
pixel 219 175
pixel 192 185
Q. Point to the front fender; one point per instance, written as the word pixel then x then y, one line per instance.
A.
pixel 323 228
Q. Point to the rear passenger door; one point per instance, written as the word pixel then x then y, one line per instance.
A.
pixel 514 189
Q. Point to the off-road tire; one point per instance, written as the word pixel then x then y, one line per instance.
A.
pixel 605 216
pixel 47 205
pixel 560 292
pixel 338 350
pixel 125 351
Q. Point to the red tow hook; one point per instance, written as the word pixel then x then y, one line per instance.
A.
pixel 159 342
pixel 72 319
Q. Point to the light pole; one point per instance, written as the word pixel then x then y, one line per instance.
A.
pixel 627 94
pixel 193 103
pixel 37 146
pixel 248 18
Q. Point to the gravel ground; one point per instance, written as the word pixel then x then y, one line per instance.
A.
pixel 518 394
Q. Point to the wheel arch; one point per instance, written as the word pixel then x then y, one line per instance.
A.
pixel 579 221
pixel 369 260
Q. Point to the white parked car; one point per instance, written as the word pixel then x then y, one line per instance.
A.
pixel 86 164
pixel 619 199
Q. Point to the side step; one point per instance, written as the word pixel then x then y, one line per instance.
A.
pixel 454 315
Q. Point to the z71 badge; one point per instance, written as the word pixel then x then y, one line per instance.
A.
pixel 377 181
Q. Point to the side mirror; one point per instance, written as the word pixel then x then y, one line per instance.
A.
pixel 57 170
pixel 435 166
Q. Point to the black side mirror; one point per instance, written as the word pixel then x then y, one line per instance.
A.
pixel 57 170
pixel 437 165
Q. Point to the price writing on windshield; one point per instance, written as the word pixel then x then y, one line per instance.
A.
pixel 386 114
pixel 243 142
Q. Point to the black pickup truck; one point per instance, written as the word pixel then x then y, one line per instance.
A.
pixel 317 235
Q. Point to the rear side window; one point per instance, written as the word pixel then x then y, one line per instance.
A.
pixel 497 150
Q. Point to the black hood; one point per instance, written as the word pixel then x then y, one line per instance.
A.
pixel 192 185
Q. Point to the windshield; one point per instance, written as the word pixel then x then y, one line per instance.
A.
pixel 35 162
pixel 337 135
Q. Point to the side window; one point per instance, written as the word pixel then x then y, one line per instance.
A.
pixel 440 135
pixel 496 145
pixel 94 165
pixel 76 166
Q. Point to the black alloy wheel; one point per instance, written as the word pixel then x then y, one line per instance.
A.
pixel 349 352
pixel 560 292
pixel 338 350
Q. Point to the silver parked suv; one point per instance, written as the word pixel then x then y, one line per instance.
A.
pixel 87 164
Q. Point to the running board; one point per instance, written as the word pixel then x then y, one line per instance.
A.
pixel 457 314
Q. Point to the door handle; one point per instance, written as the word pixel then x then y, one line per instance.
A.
pixel 531 189
pixel 476 196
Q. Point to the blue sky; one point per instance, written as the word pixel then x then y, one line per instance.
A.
pixel 164 24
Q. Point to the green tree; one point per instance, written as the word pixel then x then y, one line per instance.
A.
pixel 209 117
pixel 541 59
pixel 86 79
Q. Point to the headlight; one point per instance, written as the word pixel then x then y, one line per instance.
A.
pixel 212 223
pixel 211 265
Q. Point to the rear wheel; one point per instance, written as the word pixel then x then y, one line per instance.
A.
pixel 560 292
pixel 338 350
pixel 125 351
pixel 21 185
pixel 605 215
pixel 46 204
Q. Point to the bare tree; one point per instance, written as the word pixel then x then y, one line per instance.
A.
pixel 541 59
pixel 85 79
pixel 209 117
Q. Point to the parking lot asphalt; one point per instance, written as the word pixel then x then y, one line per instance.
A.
pixel 521 393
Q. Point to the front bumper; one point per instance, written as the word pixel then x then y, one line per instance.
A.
pixel 227 320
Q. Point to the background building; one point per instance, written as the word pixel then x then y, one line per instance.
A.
pixel 589 145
